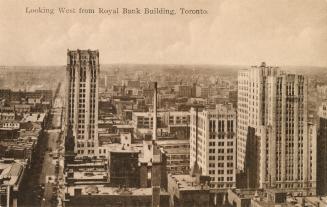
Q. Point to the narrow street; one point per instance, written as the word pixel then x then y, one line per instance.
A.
pixel 43 178
pixel 52 166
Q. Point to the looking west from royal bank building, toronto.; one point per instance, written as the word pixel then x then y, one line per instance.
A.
pixel 155 105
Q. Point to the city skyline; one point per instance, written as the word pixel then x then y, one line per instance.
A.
pixel 96 136
pixel 161 103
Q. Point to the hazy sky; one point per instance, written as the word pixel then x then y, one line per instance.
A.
pixel 235 32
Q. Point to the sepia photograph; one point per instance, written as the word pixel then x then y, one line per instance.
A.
pixel 156 103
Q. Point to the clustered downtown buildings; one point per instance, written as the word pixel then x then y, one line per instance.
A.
pixel 265 142
pixel 185 139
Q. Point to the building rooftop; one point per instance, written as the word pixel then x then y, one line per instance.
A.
pixel 112 191
pixel 117 147
pixel 33 117
pixel 177 151
pixel 11 173
pixel 173 142
pixel 124 126
pixel 187 182
pixel 92 175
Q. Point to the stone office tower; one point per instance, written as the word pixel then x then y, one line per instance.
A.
pixel 251 104
pixel 322 151
pixel 272 111
pixel 213 144
pixel 289 144
pixel 82 77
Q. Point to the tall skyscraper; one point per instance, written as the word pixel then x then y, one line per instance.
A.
pixel 213 144
pixel 273 107
pixel 322 152
pixel 82 75
pixel 251 104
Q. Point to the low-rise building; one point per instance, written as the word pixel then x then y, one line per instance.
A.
pixel 186 190
pixel 101 195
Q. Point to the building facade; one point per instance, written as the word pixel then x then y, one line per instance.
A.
pixel 289 162
pixel 251 104
pixel 82 99
pixel 213 144
pixel 273 104
pixel 321 153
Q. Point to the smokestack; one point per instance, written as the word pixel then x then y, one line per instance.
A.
pixel 196 134
pixel 156 164
pixel 154 137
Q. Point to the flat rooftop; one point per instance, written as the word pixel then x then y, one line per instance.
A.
pixel 177 151
pixel 187 183
pixel 173 142
pixel 117 147
pixel 34 117
pixel 123 126
pixel 112 191
pixel 92 175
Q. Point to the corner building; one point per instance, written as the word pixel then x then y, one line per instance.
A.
pixel 82 78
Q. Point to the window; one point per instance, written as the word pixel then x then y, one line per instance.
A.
pixel 211 157
pixel 220 157
pixel 221 179
pixel 211 172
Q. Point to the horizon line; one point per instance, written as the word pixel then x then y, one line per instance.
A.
pixel 172 64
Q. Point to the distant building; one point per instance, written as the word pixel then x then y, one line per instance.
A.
pixel 131 83
pixel 82 99
pixel 178 123
pixel 202 91
pixel 5 94
pixel 22 108
pixel 232 96
pixel 144 120
pixel 185 91
pixel 213 138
